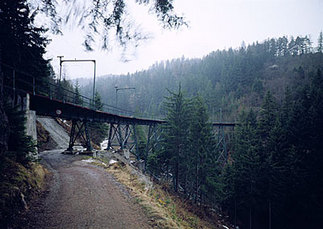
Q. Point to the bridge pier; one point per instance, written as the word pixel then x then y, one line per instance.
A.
pixel 79 129
pixel 153 137
pixel 127 138
pixel 121 133
pixel 222 137
pixel 23 104
pixel 135 141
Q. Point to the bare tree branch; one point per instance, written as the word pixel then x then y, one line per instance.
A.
pixel 107 20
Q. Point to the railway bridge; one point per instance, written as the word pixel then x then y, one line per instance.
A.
pixel 52 100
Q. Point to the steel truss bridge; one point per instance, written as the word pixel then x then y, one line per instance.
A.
pixel 51 99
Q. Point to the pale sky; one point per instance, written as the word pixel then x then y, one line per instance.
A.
pixel 213 24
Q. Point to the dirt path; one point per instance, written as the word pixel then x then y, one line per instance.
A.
pixel 82 195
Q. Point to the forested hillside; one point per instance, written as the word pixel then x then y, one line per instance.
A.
pixel 228 79
pixel 274 90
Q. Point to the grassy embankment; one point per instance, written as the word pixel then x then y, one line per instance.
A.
pixel 18 186
pixel 164 208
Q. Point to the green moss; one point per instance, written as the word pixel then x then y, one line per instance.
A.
pixel 193 221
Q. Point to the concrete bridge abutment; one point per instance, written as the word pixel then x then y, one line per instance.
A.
pixel 30 124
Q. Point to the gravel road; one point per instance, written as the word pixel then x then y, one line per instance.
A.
pixel 81 195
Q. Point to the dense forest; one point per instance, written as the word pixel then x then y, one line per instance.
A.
pixel 274 91
pixel 228 79
pixel 23 42
pixel 22 46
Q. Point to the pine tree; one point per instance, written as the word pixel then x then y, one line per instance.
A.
pixel 20 145
pixel 22 46
pixel 22 43
pixel 267 117
pixel 246 167
pixel 320 43
pixel 175 132
pixel 200 161
pixel 272 124
pixel 77 96
pixel 98 105
pixel 307 141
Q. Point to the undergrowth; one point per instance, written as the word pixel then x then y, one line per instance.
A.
pixel 18 185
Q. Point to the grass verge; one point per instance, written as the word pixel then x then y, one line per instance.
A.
pixel 164 209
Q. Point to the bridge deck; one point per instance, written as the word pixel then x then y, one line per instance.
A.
pixel 48 107
pixel 42 101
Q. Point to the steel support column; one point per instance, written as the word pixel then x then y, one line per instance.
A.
pixel 110 136
pixel 120 133
pixel 153 138
pixel 87 137
pixel 224 139
pixel 135 140
pixel 79 129
pixel 222 146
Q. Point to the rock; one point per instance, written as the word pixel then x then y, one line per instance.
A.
pixel 111 162
pixel 23 201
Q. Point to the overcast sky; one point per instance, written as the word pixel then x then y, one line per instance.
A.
pixel 213 24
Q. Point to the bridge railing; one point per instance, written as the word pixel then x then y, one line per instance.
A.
pixel 17 81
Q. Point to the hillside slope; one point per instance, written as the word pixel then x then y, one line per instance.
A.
pixel 228 79
pixel 56 131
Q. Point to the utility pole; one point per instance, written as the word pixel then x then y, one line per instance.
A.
pixel 94 71
pixel 60 67
pixel 122 88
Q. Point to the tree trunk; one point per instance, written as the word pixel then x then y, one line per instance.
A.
pixel 269 212
pixel 235 212
pixel 176 176
pixel 250 218
pixel 197 181
pixel 4 124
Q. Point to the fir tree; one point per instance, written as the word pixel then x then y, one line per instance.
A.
pixel 200 162
pixel 20 145
pixel 320 43
pixel 77 96
pixel 22 46
pixel 175 132
pixel 98 105
pixel 244 174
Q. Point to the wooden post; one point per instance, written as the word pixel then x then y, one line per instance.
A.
pixel 34 86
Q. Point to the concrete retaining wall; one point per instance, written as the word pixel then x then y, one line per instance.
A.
pixel 31 128
pixel 31 124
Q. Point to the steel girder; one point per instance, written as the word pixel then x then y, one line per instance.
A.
pixel 223 136
pixel 80 129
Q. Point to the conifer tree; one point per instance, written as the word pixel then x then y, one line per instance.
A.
pixel 22 46
pixel 320 43
pixel 20 145
pixel 247 164
pixel 98 105
pixel 267 116
pixel 77 97
pixel 272 163
pixel 200 161
pixel 175 132
pixel 305 150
